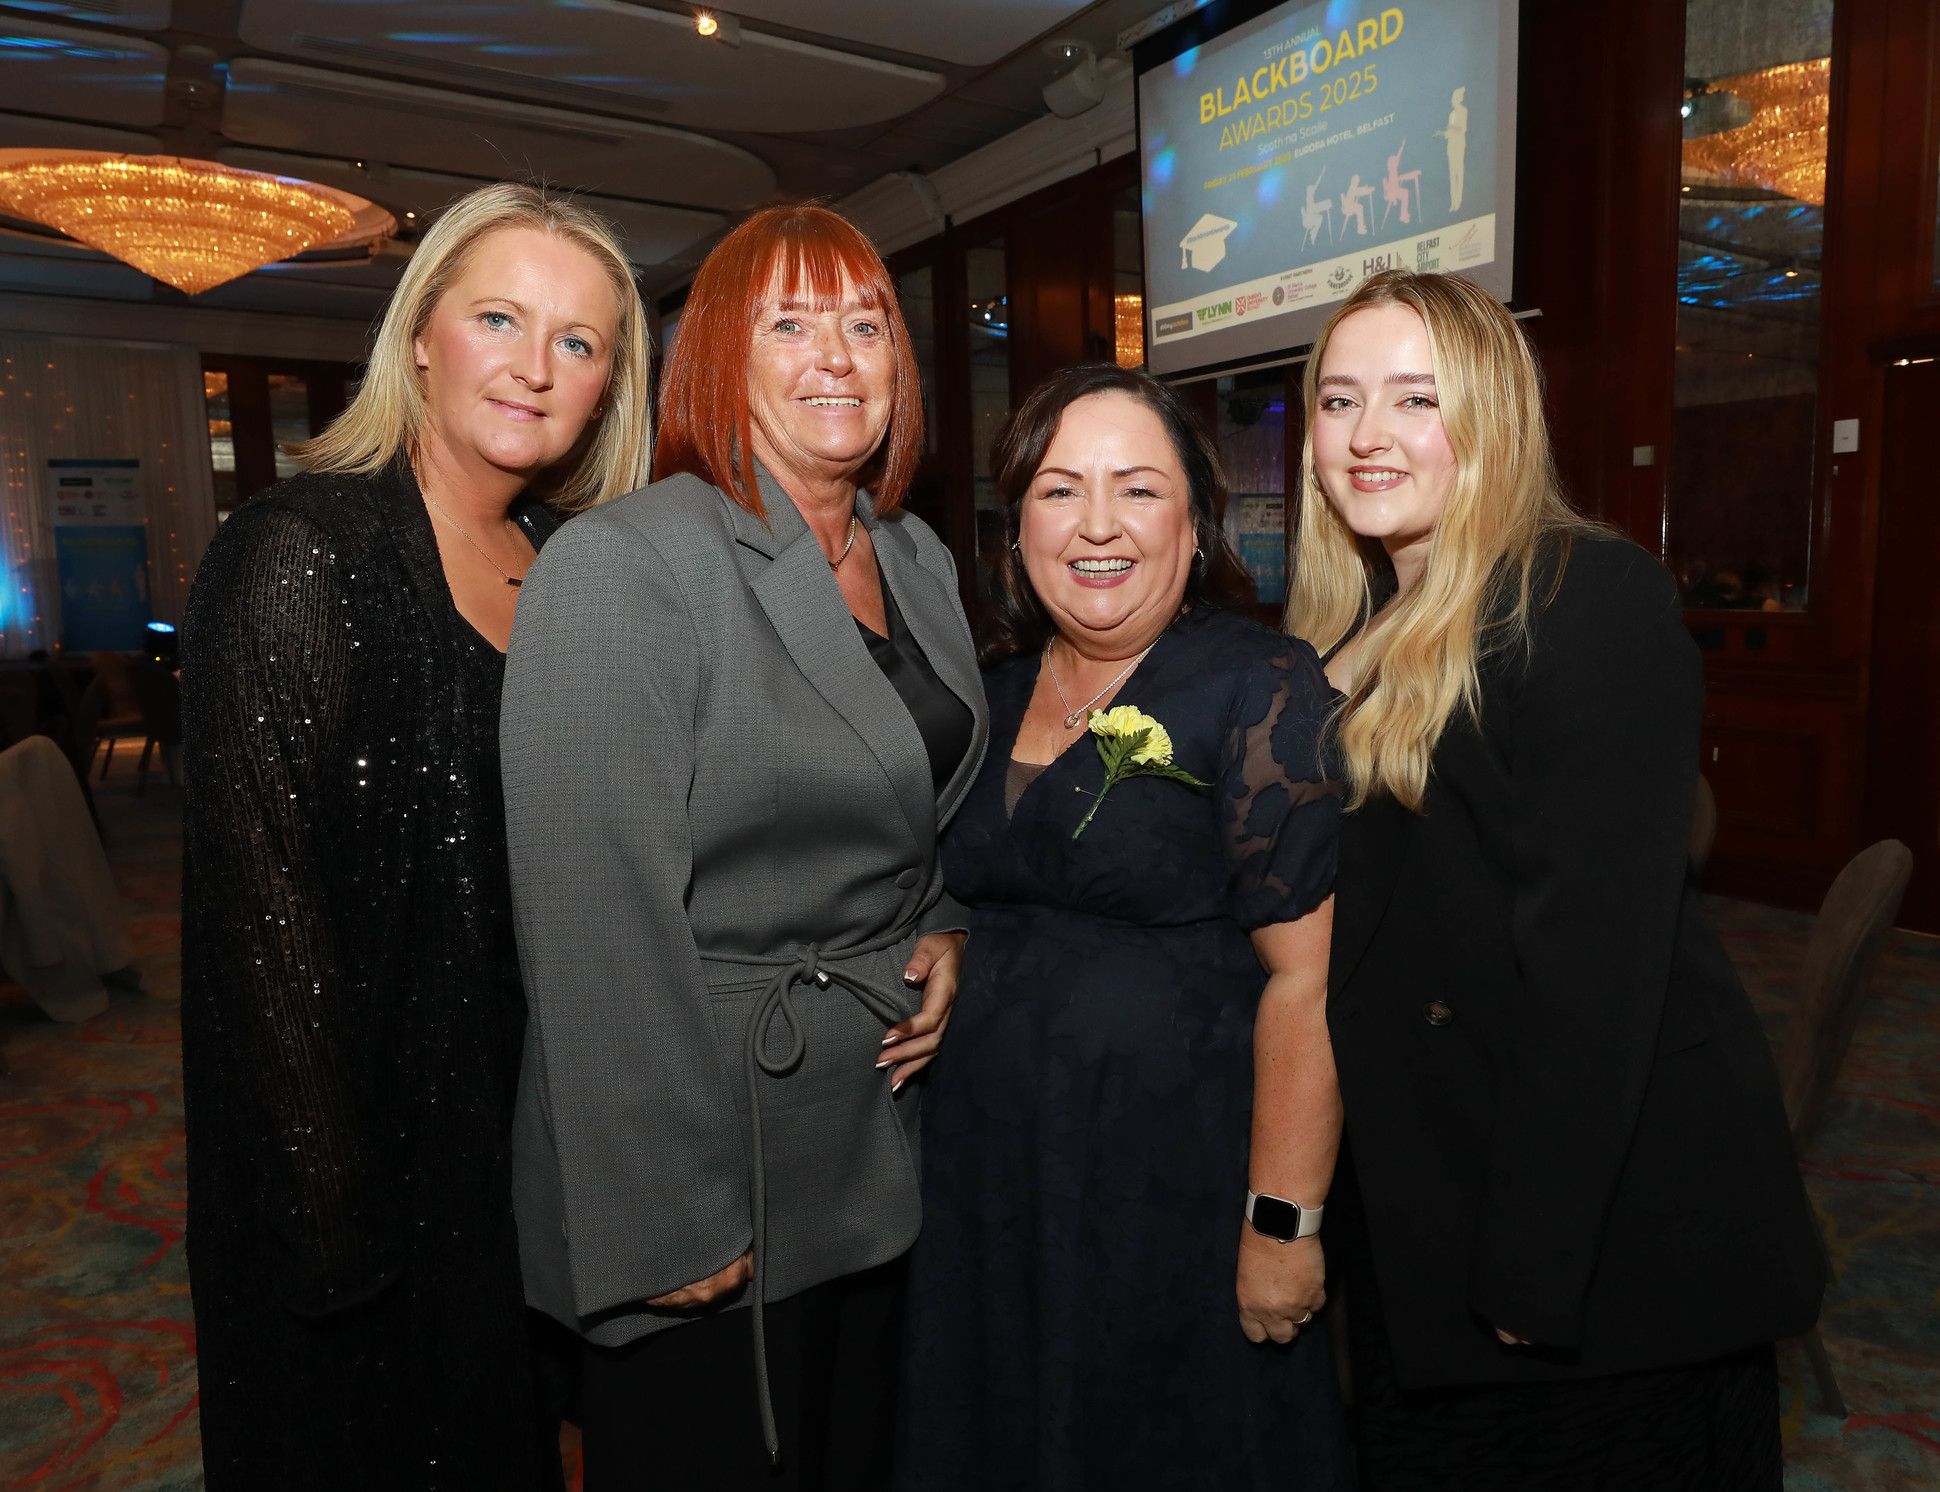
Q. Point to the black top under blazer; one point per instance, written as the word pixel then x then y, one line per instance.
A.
pixel 1562 1109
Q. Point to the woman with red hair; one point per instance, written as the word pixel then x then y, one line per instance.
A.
pixel 739 704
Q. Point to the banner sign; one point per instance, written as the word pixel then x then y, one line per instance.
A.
pixel 1288 160
pixel 101 547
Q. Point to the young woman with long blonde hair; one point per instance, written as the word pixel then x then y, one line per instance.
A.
pixel 1581 1224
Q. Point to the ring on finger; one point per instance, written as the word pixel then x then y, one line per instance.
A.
pixel 1305 1319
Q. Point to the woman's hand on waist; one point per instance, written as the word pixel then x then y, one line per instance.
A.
pixel 723 1282
pixel 933 968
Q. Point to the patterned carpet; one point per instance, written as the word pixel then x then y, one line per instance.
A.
pixel 97 1357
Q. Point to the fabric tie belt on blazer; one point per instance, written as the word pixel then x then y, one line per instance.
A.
pixel 820 967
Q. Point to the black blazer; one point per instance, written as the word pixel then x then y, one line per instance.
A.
pixel 1562 1110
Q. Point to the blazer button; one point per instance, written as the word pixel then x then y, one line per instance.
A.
pixel 1436 1013
pixel 907 879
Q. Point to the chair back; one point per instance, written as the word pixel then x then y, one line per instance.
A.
pixel 1840 960
pixel 158 693
pixel 84 727
pixel 117 676
pixel 1704 824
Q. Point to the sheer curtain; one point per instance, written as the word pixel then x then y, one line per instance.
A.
pixel 72 397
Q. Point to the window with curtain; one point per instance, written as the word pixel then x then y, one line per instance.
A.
pixel 1250 424
pixel 1751 229
pixel 989 391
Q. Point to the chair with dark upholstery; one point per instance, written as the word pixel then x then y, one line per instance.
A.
pixel 1840 960
pixel 159 694
pixel 120 717
pixel 1704 825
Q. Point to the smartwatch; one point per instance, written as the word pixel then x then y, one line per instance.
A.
pixel 1281 1220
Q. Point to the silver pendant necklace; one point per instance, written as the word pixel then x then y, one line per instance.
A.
pixel 1071 716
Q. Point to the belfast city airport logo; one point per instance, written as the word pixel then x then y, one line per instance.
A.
pixel 1172 326
pixel 1427 254
pixel 1204 246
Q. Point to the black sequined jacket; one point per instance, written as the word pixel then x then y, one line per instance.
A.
pixel 351 1013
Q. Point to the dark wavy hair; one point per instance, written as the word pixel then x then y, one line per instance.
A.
pixel 1016 621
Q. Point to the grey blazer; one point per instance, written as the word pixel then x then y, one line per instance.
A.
pixel 723 839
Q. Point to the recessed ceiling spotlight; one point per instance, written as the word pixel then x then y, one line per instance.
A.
pixel 716 27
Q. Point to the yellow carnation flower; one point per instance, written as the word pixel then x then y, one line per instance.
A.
pixel 1128 720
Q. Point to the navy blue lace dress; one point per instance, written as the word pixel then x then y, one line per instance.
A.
pixel 1071 1318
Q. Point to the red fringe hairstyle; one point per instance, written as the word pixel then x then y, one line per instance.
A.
pixel 704 420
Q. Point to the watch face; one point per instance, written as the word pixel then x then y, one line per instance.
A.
pixel 1276 1217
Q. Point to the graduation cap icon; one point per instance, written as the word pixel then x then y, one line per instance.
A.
pixel 1205 245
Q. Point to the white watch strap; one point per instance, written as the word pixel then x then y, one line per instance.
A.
pixel 1309 1216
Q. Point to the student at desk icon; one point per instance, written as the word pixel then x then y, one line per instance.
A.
pixel 1395 187
pixel 1315 212
pixel 1353 205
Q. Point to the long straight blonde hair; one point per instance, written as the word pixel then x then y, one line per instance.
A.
pixel 1417 663
pixel 386 417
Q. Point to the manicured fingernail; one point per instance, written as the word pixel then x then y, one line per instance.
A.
pixel 892 1037
pixel 909 976
pixel 886 1062
pixel 897 1086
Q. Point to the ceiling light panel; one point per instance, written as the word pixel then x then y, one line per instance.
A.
pixel 966 33
pixel 57 134
pixel 281 106
pixel 652 234
pixel 87 75
pixel 601 54
pixel 148 15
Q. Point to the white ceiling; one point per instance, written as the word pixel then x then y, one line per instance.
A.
pixel 411 104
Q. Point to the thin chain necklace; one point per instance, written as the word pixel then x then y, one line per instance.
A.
pixel 509 579
pixel 836 563
pixel 1071 716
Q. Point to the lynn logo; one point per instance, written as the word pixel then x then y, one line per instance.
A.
pixel 1210 314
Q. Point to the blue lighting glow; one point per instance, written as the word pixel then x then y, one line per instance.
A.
pixel 1163 165
pixel 529 49
pixel 1185 62
pixel 161 626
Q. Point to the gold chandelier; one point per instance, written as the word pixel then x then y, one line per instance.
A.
pixel 1782 147
pixel 1128 329
pixel 192 224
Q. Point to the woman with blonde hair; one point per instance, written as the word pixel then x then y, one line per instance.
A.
pixel 1581 1225
pixel 351 1007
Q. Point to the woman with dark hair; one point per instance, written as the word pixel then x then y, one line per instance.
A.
pixel 739 705
pixel 1131 1131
